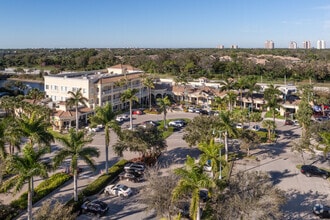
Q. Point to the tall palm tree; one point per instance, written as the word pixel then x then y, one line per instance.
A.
pixel 252 87
pixel 163 104
pixel 74 148
pixel 25 167
pixel 105 116
pixel 130 96
pixel 227 127
pixel 271 96
pixel 270 126
pixel 35 129
pixel 75 99
pixel 231 98
pixel 211 152
pixel 149 83
pixel 193 179
pixel 11 134
pixel 240 85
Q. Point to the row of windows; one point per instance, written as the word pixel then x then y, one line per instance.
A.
pixel 63 88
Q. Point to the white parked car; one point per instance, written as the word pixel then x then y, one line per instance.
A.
pixel 239 125
pixel 118 190
pixel 177 123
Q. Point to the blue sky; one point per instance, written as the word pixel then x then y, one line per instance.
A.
pixel 162 23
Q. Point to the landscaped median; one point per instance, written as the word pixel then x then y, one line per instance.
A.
pixel 43 189
pixel 98 185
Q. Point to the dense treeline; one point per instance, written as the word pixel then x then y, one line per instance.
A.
pixel 295 65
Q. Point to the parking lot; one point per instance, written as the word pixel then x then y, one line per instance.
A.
pixel 276 159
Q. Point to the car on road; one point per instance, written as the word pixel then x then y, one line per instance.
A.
pixel 118 190
pixel 288 122
pixel 177 123
pixel 149 123
pixel 131 176
pixel 239 126
pixel 256 128
pixel 203 112
pixel 122 118
pixel 311 170
pixel 96 207
pixel 321 211
pixel 136 167
pixel 137 112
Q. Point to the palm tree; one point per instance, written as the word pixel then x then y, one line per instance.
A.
pixel 211 152
pixel 231 98
pixel 105 116
pixel 252 87
pixel 74 148
pixel 35 94
pixel 11 134
pixel 149 83
pixel 129 95
pixel 35 129
pixel 270 126
pixel 163 104
pixel 240 85
pixel 192 180
pixel 271 96
pixel 25 167
pixel 74 101
pixel 228 128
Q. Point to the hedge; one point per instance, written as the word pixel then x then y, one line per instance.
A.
pixel 44 188
pixel 98 185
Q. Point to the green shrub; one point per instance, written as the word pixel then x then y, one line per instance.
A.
pixel 102 181
pixel 97 185
pixel 43 189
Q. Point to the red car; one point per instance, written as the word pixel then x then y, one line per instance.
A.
pixel 137 112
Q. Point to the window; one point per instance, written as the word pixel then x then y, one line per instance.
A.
pixel 47 86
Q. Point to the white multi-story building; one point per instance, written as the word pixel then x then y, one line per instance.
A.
pixel 307 45
pixel 320 44
pixel 98 87
pixel 293 45
pixel 269 44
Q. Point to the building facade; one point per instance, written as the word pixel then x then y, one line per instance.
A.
pixel 98 87
pixel 307 45
pixel 269 44
pixel 320 44
pixel 293 45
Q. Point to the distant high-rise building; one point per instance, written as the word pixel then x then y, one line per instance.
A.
pixel 307 45
pixel 234 46
pixel 320 44
pixel 293 45
pixel 221 47
pixel 269 44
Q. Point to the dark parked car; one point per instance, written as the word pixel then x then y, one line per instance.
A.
pixel 310 170
pixel 136 167
pixel 131 176
pixel 288 122
pixel 321 211
pixel 95 207
pixel 203 112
